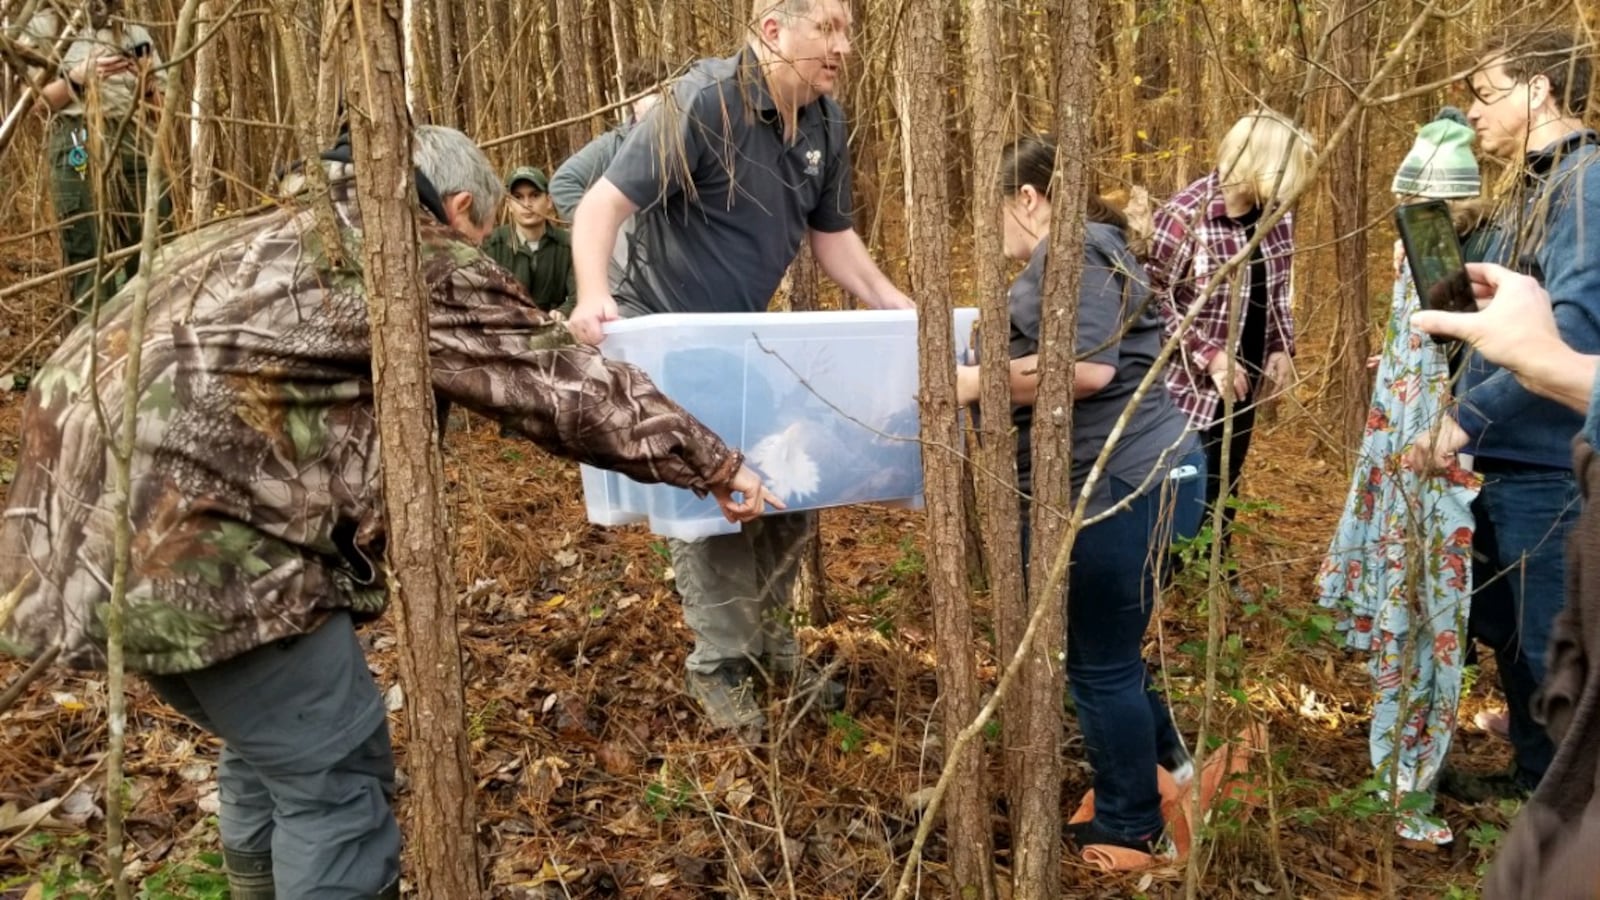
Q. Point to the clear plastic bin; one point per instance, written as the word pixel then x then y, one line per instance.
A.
pixel 824 405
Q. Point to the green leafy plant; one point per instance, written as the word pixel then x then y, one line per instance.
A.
pixel 663 800
pixel 851 734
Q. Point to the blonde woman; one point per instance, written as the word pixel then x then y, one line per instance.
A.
pixel 1263 159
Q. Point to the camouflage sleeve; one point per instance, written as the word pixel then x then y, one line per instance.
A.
pixel 498 355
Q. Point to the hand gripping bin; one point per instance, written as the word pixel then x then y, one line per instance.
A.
pixel 824 405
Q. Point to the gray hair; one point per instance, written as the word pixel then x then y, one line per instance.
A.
pixel 456 165
pixel 784 9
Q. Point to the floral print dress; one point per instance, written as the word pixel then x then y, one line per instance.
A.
pixel 1398 572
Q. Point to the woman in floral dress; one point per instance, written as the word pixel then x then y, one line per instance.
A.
pixel 1398 571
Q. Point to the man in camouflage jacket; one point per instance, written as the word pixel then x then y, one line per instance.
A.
pixel 256 508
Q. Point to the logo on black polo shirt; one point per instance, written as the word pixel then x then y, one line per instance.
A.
pixel 813 162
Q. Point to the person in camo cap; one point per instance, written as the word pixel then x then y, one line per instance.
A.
pixel 255 498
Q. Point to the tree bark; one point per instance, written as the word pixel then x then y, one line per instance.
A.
pixel 202 110
pixel 997 453
pixel 622 39
pixel 574 74
pixel 804 282
pixel 330 84
pixel 448 84
pixel 1039 843
pixel 419 560
pixel 1347 185
pixel 921 84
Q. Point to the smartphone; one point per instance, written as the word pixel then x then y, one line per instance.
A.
pixel 1434 252
pixel 140 50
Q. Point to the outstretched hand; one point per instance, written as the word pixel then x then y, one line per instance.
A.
pixel 753 496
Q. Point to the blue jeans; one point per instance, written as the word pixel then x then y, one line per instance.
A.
pixel 1111 590
pixel 1524 516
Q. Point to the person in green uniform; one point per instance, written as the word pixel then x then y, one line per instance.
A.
pixel 99 102
pixel 532 248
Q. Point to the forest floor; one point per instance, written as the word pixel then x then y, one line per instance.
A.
pixel 596 778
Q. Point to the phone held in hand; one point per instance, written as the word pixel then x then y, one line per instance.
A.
pixel 1434 253
pixel 140 50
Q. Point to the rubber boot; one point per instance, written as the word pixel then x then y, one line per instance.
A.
pixel 249 874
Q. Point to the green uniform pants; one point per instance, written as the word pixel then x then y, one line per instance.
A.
pixel 84 232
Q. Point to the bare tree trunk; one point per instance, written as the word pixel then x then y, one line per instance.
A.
pixel 419 560
pixel 810 585
pixel 446 83
pixel 574 76
pixel 1039 843
pixel 594 71
pixel 330 83
pixel 476 80
pixel 202 112
pixel 997 455
pixel 1189 58
pixel 286 18
pixel 1347 185
pixel 622 45
pixel 920 82
pixel 238 109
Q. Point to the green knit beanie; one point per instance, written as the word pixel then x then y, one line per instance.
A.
pixel 1440 164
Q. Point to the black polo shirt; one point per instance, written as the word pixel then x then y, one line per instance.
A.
pixel 724 202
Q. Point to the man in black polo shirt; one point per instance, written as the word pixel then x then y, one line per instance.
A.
pixel 745 158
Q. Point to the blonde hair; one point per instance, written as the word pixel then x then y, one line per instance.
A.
pixel 1266 151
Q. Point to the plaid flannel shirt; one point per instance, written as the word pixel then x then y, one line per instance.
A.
pixel 1193 238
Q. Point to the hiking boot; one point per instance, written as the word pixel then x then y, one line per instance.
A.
pixel 804 682
pixel 1481 787
pixel 728 697
pixel 249 874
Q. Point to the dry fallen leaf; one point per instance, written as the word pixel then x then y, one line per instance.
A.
pixel 614 760
pixel 67 701
pixel 553 871
pixel 13 818
pixel 394 699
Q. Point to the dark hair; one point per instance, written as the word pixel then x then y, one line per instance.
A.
pixel 641 75
pixel 1031 162
pixel 1560 56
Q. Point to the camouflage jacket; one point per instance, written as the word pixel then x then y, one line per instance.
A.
pixel 255 503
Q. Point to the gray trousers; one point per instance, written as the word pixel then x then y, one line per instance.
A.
pixel 307 771
pixel 736 590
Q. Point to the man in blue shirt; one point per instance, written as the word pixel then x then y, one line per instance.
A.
pixel 1530 90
